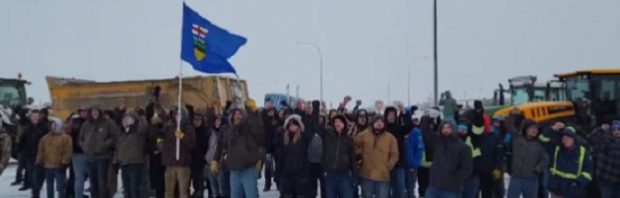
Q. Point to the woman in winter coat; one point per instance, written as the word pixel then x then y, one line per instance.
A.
pixel 292 152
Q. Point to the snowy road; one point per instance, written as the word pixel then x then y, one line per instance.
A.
pixel 8 191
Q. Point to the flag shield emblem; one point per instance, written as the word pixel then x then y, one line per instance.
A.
pixel 200 45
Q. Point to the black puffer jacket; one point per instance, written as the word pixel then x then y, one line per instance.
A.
pixel 452 164
pixel 339 151
pixel 29 143
pixel 76 125
pixel 243 144
pixel 398 131
pixel 292 149
pixel 202 145
pixel 529 158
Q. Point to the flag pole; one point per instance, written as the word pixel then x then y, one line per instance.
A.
pixel 179 116
pixel 241 88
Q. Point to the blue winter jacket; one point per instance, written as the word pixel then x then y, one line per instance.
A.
pixel 414 148
pixel 567 179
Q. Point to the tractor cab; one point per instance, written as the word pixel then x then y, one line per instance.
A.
pixel 595 95
pixel 524 89
pixel 13 92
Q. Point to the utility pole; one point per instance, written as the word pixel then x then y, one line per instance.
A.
pixel 288 94
pixel 318 50
pixel 435 99
pixel 388 93
pixel 409 78
pixel 297 91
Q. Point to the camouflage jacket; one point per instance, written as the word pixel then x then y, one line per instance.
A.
pixel 5 150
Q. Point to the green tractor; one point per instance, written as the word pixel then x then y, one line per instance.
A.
pixel 13 102
pixel 524 89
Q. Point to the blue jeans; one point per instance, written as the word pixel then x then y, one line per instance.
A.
pixel 243 183
pixel 499 190
pixel 338 184
pixel 268 170
pixel 432 192
pixel 223 178
pixel 544 185
pixel 521 186
pixel 214 183
pixel 35 174
pixel 609 190
pixel 472 186
pixel 132 178
pixel 58 175
pixel 80 170
pixel 411 180
pixel 397 183
pixel 99 177
pixel 376 189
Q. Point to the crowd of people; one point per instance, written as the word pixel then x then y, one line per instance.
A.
pixel 306 151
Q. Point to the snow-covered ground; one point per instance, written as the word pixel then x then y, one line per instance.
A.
pixel 8 191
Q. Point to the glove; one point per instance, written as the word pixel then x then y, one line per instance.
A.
pixel 496 175
pixel 259 166
pixel 155 119
pixel 214 167
pixel 574 184
pixel 179 134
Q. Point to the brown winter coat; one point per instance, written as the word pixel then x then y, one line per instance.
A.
pixel 379 154
pixel 55 150
pixel 243 144
pixel 98 137
pixel 131 145
pixel 186 146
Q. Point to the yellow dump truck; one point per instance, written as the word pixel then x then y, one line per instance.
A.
pixel 68 94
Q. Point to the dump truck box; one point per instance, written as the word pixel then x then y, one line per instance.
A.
pixel 202 92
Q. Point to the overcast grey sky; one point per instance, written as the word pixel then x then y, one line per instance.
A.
pixel 366 44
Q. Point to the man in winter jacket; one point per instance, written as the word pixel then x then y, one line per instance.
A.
pixel 550 138
pixel 97 139
pixel 78 160
pixel 414 150
pixel 131 154
pixel 606 152
pixel 452 164
pixel 271 124
pixel 571 167
pixel 339 160
pixel 472 129
pixel 396 128
pixel 28 144
pixel 178 166
pixel 217 176
pixel 429 137
pixel 379 153
pixel 449 106
pixel 55 150
pixel 198 155
pixel 486 152
pixel 243 151
pixel 361 122
pixel 529 159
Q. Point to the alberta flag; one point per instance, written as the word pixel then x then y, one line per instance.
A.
pixel 205 46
